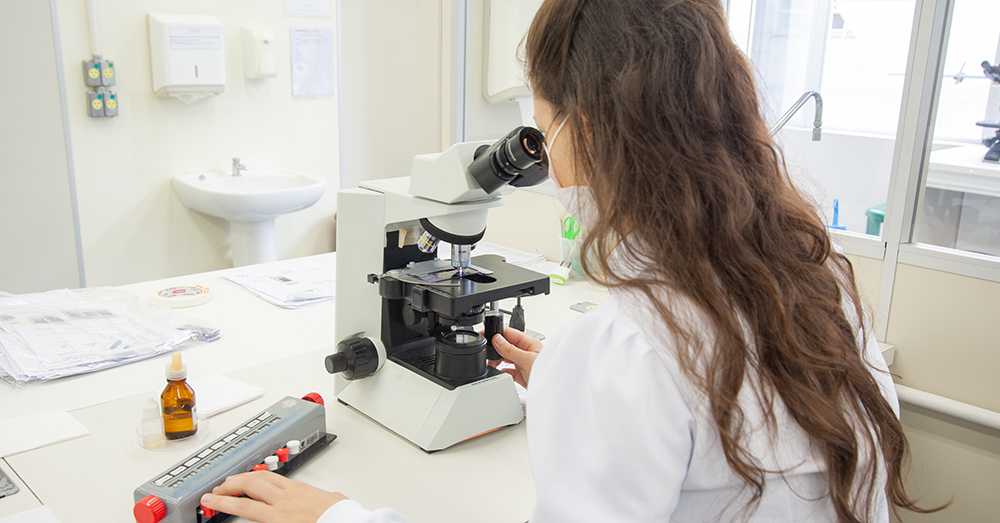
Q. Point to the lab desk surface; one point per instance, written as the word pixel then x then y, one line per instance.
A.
pixel 91 479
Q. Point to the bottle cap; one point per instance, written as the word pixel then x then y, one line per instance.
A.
pixel 151 410
pixel 176 370
pixel 149 509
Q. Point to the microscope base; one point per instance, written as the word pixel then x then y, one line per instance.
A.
pixel 427 414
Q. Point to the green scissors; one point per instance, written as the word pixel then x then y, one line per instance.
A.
pixel 570 228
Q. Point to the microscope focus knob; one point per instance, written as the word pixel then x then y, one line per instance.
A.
pixel 357 358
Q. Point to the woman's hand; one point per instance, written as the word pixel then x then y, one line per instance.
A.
pixel 519 349
pixel 273 498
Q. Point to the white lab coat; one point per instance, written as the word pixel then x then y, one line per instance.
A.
pixel 618 434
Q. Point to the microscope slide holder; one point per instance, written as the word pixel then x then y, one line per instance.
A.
pixel 174 496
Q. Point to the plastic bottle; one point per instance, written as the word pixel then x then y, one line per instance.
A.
pixel 180 416
pixel 152 425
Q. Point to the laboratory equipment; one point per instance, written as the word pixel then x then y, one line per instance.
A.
pixel 180 414
pixel 409 356
pixel 293 430
pixel 152 425
pixel 188 56
pixel 817 119
pixel 258 53
pixel 993 154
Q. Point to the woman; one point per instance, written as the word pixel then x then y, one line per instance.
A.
pixel 730 375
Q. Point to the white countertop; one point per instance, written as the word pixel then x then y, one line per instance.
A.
pixel 963 169
pixel 91 479
pixel 253 332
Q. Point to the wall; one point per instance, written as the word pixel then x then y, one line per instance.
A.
pixel 133 226
pixel 485 121
pixel 528 221
pixel 952 461
pixel 392 103
pixel 37 241
pixel 945 330
pixel 945 327
pixel 868 277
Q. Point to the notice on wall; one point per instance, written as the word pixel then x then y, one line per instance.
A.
pixel 312 61
pixel 189 38
pixel 307 7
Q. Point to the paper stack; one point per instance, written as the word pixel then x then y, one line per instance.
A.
pixel 291 285
pixel 61 333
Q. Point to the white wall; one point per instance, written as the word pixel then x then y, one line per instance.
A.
pixel 133 226
pixel 391 66
pixel 485 121
pixel 37 241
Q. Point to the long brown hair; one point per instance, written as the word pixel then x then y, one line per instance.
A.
pixel 680 159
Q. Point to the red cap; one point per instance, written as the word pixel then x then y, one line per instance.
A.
pixel 314 397
pixel 282 455
pixel 149 509
pixel 207 512
pixel 260 466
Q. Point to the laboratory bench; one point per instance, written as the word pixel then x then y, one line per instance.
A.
pixel 92 478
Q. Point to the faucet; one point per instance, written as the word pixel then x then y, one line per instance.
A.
pixel 817 122
pixel 238 167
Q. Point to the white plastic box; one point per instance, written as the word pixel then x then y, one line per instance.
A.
pixel 188 55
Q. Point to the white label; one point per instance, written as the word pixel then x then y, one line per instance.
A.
pixel 313 438
pixel 189 38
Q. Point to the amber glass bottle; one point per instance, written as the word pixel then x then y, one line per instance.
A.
pixel 180 415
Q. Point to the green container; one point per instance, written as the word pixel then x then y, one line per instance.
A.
pixel 876 215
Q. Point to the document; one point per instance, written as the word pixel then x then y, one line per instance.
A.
pixel 313 72
pixel 38 430
pixel 40 514
pixel 290 285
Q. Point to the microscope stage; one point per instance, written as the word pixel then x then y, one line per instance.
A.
pixel 451 298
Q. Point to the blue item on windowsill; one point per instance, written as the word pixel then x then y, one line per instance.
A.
pixel 836 217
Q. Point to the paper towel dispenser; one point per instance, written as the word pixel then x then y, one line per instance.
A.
pixel 188 55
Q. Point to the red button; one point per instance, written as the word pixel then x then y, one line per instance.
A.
pixel 314 397
pixel 282 455
pixel 207 512
pixel 149 509
pixel 260 467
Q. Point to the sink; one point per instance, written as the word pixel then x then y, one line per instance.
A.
pixel 250 202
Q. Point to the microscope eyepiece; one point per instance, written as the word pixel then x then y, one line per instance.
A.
pixel 517 159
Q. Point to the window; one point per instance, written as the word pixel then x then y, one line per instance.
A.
pixel 854 53
pixel 959 202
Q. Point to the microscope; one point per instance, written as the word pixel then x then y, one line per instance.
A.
pixel 409 354
pixel 992 72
